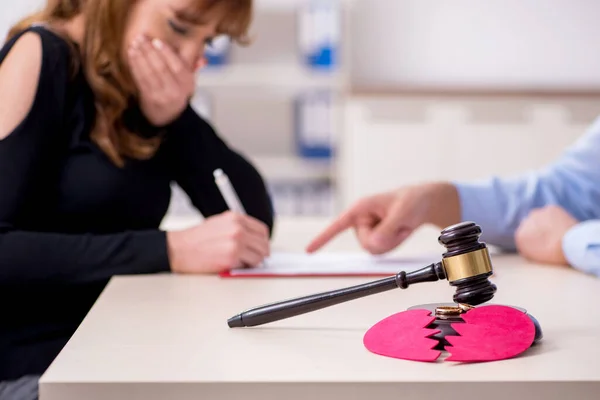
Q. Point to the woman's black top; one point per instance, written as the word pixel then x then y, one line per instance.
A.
pixel 70 219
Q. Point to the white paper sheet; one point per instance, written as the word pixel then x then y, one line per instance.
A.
pixel 298 264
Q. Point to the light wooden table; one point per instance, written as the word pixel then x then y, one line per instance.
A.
pixel 166 337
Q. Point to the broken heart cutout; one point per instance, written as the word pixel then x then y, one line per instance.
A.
pixel 489 333
pixel 404 335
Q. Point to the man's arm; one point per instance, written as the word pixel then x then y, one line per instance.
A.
pixel 572 182
pixel 581 246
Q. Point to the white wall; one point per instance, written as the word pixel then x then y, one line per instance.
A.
pixel 13 11
pixel 395 141
pixel 502 43
pixel 545 43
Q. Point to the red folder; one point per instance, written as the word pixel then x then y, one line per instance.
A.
pixel 228 274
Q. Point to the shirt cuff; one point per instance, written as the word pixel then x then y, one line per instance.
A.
pixel 479 203
pixel 581 247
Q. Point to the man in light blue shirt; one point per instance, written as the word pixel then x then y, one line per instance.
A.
pixel 556 206
pixel 549 216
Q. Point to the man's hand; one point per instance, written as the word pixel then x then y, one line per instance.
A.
pixel 382 222
pixel 539 236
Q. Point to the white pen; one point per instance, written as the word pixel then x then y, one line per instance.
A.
pixel 229 194
pixel 227 191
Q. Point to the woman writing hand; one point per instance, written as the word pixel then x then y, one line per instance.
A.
pixel 222 242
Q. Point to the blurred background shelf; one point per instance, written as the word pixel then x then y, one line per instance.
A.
pixel 415 90
pixel 298 187
pixel 279 101
pixel 258 76
pixel 416 96
pixel 293 168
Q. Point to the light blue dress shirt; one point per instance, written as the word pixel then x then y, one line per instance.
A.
pixel 571 182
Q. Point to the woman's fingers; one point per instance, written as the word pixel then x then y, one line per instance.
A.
pixel 140 69
pixel 177 68
pixel 157 65
pixel 255 226
pixel 258 243
pixel 253 252
pixel 251 258
pixel 255 247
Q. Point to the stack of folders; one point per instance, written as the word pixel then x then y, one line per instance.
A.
pixel 319 33
pixel 217 52
pixel 303 197
pixel 314 140
pixel 315 124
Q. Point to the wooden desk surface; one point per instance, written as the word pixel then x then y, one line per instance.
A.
pixel 166 337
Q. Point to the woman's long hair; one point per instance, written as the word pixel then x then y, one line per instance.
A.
pixel 105 71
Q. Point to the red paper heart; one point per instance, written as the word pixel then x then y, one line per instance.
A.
pixel 404 335
pixel 490 333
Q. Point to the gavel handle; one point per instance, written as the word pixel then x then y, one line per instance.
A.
pixel 302 305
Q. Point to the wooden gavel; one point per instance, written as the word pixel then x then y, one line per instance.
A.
pixel 466 265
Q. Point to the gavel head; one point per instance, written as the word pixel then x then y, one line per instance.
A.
pixel 467 263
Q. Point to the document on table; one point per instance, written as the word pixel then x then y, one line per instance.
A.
pixel 332 264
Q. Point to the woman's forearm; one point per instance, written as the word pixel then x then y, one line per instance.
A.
pixel 32 257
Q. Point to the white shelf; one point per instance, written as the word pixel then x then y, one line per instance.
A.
pixel 290 167
pixel 280 76
pixel 251 101
pixel 304 192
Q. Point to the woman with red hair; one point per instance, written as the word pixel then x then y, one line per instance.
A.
pixel 95 125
